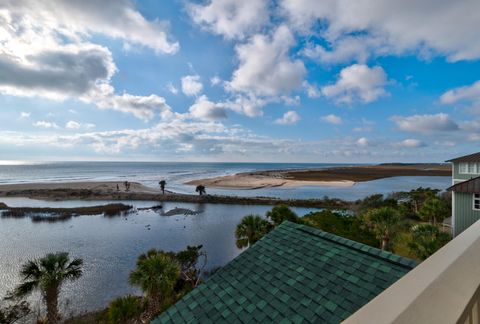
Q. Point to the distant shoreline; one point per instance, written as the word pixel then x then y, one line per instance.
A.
pixel 336 176
pixel 108 191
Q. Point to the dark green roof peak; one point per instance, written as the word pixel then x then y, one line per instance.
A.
pixel 295 274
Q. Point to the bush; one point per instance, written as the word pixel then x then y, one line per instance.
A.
pixel 124 309
pixel 335 223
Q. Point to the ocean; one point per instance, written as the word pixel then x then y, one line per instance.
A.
pixel 177 173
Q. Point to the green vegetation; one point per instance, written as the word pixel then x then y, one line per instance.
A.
pixel 281 213
pixel 156 274
pixel 47 275
pixel 250 230
pixel 13 312
pixel 123 309
pixel 426 240
pixel 434 210
pixel 200 189
pixel 46 214
pixel 162 184
pixel 385 223
pixel 338 224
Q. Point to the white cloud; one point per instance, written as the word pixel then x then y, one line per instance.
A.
pixel 410 143
pixel 77 19
pixel 172 88
pixel 265 66
pixel 45 124
pixel 332 119
pixel 24 114
pixel 205 109
pixel 312 90
pixel 424 27
pixel 289 118
pixel 72 125
pixel 71 70
pixel 142 107
pixel 357 82
pixel 470 94
pixel 347 49
pixel 363 141
pixel 425 123
pixel 43 55
pixel 215 80
pixel 231 18
pixel 191 85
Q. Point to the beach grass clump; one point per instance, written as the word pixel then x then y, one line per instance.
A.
pixel 48 214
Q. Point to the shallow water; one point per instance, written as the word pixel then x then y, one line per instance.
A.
pixel 110 245
pixel 177 173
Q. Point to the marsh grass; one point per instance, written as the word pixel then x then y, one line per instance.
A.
pixel 51 215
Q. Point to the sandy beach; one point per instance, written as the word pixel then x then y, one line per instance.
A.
pixel 108 191
pixel 336 177
pixel 257 181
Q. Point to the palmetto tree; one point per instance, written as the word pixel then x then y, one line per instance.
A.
pixel 200 189
pixel 156 274
pixel 250 230
pixel 433 210
pixel 426 240
pixel 47 275
pixel 162 184
pixel 384 223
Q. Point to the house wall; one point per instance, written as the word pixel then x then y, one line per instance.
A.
pixel 463 211
pixel 457 176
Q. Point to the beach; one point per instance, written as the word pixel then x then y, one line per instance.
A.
pixel 335 177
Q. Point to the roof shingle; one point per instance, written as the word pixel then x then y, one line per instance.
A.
pixel 275 281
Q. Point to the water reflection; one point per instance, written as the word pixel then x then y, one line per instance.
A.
pixel 110 246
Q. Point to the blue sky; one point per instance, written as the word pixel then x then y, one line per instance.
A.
pixel 224 80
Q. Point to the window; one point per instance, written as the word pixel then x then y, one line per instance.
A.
pixel 469 168
pixel 476 201
pixel 472 168
pixel 463 168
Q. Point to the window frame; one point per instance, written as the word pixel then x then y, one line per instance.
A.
pixel 469 168
pixel 476 202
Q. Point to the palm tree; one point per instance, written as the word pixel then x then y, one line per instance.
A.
pixel 384 223
pixel 251 229
pixel 156 274
pixel 281 213
pixel 162 184
pixel 124 309
pixel 433 210
pixel 47 275
pixel 200 189
pixel 426 240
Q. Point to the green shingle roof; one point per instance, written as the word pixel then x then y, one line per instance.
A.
pixel 295 274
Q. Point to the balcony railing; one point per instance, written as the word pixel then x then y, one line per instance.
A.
pixel 445 288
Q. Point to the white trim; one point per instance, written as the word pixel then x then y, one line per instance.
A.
pixel 453 214
pixel 453 174
pixel 473 201
pixel 460 180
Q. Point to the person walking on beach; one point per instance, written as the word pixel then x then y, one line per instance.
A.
pixel 162 184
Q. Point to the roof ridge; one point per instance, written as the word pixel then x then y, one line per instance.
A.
pixel 463 157
pixel 360 247
pixel 462 183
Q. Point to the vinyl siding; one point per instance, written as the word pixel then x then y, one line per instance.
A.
pixel 458 176
pixel 464 213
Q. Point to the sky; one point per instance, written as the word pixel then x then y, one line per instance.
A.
pixel 351 81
